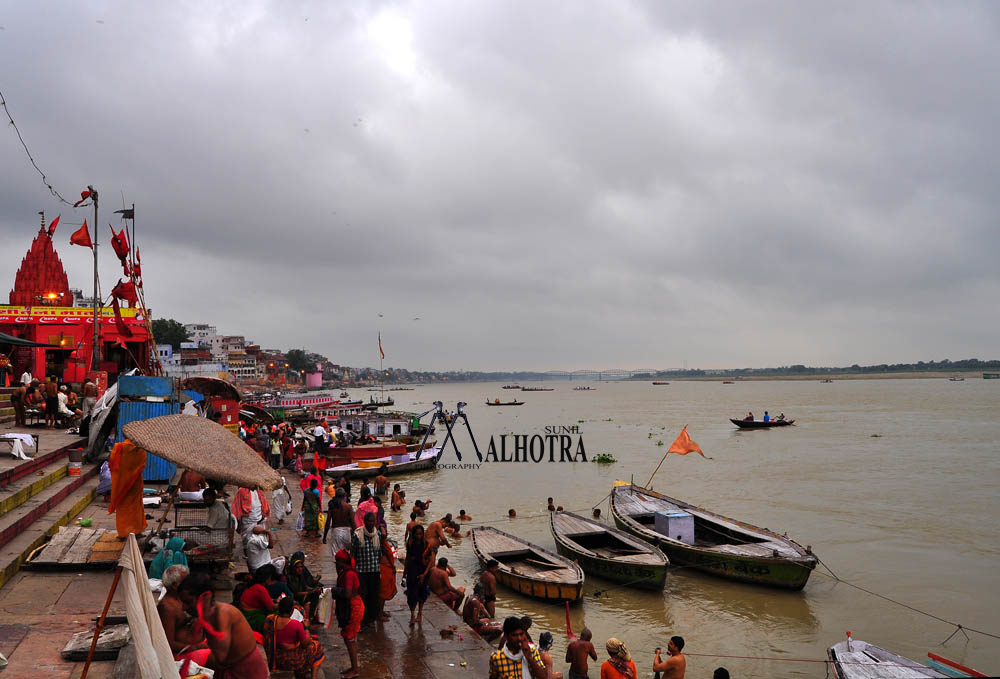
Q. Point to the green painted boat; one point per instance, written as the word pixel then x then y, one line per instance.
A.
pixel 607 552
pixel 991 376
pixel 711 542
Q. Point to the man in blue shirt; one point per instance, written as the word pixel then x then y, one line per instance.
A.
pixel 767 418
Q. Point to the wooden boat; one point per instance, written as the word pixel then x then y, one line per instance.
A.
pixel 537 389
pixel 427 460
pixel 956 379
pixel 711 542
pixel 505 403
pixel 511 386
pixel 527 568
pixel 660 384
pixel 584 389
pixel 727 381
pixel 760 424
pixel 609 553
pixel 375 405
pixel 856 659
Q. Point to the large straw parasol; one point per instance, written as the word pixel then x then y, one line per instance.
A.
pixel 204 446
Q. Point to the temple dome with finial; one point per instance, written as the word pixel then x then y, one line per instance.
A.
pixel 41 278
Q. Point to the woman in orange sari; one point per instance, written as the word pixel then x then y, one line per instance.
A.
pixel 126 464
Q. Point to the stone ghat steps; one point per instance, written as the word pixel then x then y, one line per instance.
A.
pixel 57 509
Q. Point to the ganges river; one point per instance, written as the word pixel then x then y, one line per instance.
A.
pixel 894 483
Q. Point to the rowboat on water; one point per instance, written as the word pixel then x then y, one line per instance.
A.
pixel 537 388
pixel 760 424
pixel 856 659
pixel 660 384
pixel 607 552
pixel 695 537
pixel 397 464
pixel 507 403
pixel 511 386
pixel 527 568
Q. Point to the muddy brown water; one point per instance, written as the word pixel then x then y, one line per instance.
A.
pixel 894 483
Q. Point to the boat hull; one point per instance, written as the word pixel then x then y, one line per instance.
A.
pixel 759 424
pixel 783 573
pixel 545 589
pixel 633 575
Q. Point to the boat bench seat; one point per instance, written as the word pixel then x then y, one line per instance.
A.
pixel 758 549
pixel 587 534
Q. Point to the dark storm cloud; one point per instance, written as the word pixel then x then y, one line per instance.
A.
pixel 562 185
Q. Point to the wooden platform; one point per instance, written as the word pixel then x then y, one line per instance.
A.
pixel 74 548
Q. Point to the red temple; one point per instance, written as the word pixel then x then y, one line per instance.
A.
pixel 41 310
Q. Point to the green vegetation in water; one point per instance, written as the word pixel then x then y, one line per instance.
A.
pixel 650 435
pixel 659 443
pixel 610 419
pixel 604 458
pixel 580 421
pixel 876 436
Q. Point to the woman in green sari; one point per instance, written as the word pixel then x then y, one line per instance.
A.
pixel 311 508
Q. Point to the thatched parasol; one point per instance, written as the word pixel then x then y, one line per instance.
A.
pixel 204 446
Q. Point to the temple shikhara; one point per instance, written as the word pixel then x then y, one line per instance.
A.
pixel 49 336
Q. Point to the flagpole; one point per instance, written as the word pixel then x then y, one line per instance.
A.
pixel 661 462
pixel 95 357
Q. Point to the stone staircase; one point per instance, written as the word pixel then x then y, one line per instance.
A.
pixel 6 407
pixel 36 498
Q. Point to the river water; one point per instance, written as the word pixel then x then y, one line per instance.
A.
pixel 894 483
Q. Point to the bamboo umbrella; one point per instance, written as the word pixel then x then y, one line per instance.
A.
pixel 204 446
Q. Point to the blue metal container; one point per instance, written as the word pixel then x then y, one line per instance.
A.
pixel 157 469
pixel 136 386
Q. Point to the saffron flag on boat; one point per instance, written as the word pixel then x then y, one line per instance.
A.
pixel 119 241
pixel 684 445
pixel 380 346
pixel 82 237
pixel 53 225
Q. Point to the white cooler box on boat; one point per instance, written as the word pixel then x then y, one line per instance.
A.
pixel 676 524
pixel 401 458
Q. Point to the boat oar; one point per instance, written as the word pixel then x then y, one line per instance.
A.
pixel 569 626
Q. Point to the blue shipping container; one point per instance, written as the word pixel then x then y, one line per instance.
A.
pixel 157 469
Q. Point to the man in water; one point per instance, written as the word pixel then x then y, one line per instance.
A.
pixel 577 653
pixel 439 582
pixel 551 507
pixel 674 666
pixel 382 481
pixel 234 649
pixel 489 582
pixel 462 516
pixel 511 514
pixel 516 655
pixel 435 533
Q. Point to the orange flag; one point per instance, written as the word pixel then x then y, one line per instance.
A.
pixel 380 346
pixel 684 445
pixel 82 237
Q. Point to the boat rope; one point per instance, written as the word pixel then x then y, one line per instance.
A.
pixel 957 626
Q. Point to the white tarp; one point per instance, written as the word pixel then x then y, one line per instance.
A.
pixel 152 650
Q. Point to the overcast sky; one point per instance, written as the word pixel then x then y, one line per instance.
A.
pixel 545 185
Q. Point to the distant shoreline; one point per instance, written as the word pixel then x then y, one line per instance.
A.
pixel 931 375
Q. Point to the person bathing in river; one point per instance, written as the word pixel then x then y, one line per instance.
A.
pixel 577 653
pixel 462 516
pixel 674 666
pixel 439 581
pixel 489 582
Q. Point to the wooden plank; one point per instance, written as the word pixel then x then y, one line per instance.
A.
pixel 108 644
pixel 80 551
pixel 62 541
pixel 126 664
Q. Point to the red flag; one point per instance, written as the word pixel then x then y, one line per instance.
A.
pixel 53 225
pixel 120 243
pixel 82 237
pixel 684 445
pixel 119 323
pixel 128 272
pixel 84 195
pixel 125 291
pixel 380 346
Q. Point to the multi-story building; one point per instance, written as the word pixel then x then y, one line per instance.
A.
pixel 200 332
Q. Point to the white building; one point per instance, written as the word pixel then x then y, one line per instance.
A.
pixel 199 332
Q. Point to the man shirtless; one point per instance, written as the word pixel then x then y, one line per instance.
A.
pixel 410 526
pixel 439 582
pixel 435 533
pixel 489 582
pixel 381 481
pixel 577 653
pixel 477 617
pixel 234 650
pixel 674 666
pixel 51 403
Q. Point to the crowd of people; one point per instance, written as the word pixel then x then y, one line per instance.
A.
pixel 56 402
pixel 280 603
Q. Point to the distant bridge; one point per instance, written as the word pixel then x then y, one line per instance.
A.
pixel 608 374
